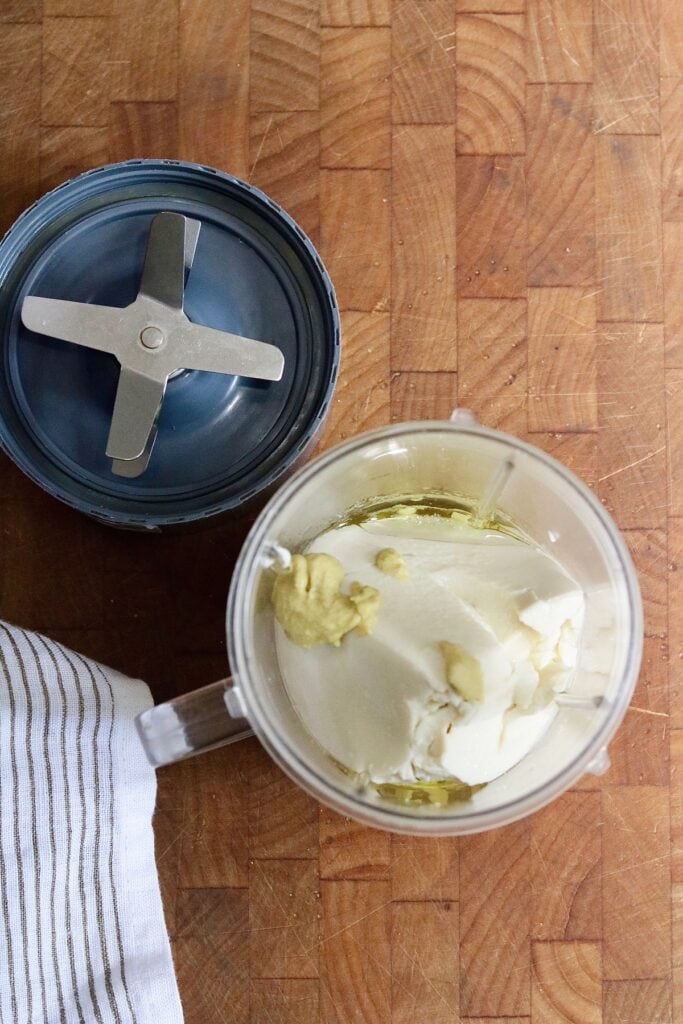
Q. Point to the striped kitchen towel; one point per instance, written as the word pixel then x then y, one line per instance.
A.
pixel 82 934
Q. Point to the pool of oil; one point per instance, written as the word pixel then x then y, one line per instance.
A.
pixel 437 793
pixel 444 506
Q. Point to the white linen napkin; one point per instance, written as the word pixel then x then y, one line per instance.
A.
pixel 82 933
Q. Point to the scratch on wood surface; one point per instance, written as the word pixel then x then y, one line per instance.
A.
pixel 420 969
pixel 636 865
pixel 176 839
pixel 351 924
pixel 437 39
pixel 622 469
pixel 261 145
pixel 646 711
pixel 289 925
pixel 537 847
pixel 326 988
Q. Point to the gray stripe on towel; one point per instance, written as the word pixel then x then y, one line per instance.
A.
pixel 69 833
pixel 50 817
pixel 37 864
pixel 17 845
pixel 81 848
pixel 3 878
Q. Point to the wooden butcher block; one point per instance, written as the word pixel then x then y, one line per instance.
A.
pixel 498 195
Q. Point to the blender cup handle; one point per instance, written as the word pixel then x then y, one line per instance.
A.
pixel 191 724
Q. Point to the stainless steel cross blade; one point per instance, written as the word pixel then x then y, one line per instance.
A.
pixel 152 339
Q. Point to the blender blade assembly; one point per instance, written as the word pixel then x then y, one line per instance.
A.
pixel 169 343
pixel 153 340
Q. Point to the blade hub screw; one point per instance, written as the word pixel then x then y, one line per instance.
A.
pixel 152 337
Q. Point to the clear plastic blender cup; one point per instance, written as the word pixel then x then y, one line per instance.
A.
pixel 476 465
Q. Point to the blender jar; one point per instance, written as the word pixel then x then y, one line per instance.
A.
pixel 439 459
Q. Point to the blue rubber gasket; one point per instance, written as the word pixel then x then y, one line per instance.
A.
pixel 222 441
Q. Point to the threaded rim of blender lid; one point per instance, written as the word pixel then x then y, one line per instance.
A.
pixel 222 440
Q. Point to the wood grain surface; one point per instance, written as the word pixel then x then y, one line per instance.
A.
pixel 497 189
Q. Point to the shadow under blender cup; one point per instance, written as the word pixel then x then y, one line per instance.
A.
pixel 544 499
